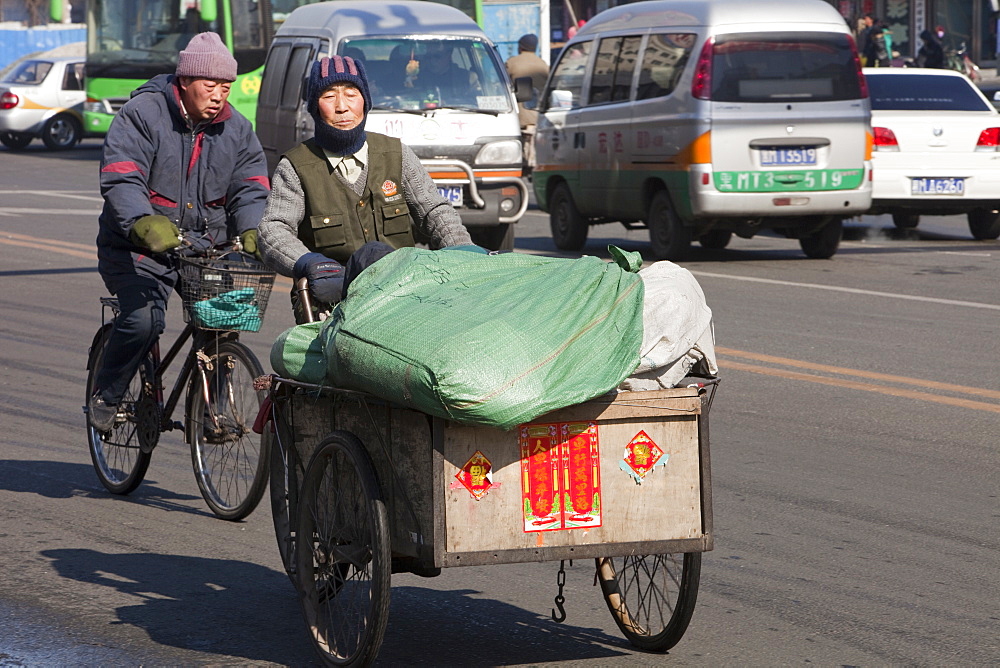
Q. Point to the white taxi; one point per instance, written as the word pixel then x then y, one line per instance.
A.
pixel 42 97
pixel 937 148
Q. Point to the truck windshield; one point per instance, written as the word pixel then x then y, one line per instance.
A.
pixel 422 73
pixel 141 38
pixel 784 67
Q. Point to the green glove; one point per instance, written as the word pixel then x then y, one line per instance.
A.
pixel 249 241
pixel 157 233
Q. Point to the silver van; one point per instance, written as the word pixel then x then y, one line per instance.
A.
pixel 700 119
pixel 468 137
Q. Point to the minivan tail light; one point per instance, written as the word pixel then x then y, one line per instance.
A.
pixel 701 84
pixel 989 140
pixel 9 100
pixel 862 82
pixel 885 139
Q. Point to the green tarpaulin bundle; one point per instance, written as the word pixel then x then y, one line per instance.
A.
pixel 480 339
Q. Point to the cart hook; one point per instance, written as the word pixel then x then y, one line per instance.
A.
pixel 560 599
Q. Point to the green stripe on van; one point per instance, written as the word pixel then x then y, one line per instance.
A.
pixel 802 180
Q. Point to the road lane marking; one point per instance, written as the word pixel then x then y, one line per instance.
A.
pixel 92 255
pixel 871 375
pixel 21 211
pixel 866 387
pixel 69 194
pixel 46 244
pixel 856 291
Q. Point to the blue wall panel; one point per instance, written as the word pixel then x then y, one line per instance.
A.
pixel 505 22
pixel 22 41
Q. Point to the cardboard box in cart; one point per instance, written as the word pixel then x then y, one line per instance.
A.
pixel 618 475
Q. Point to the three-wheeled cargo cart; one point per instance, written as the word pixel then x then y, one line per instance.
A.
pixel 362 488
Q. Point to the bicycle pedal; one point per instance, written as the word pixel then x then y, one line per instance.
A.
pixel 176 424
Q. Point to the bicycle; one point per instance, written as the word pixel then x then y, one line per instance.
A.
pixel 223 293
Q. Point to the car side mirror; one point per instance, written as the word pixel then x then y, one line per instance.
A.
pixel 523 90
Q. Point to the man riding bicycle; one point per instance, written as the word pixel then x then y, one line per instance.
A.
pixel 177 157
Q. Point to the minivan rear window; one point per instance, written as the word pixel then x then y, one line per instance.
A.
pixel 785 67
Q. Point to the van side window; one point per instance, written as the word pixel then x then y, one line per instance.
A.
pixel 567 78
pixel 663 62
pixel 298 71
pixel 613 69
pixel 274 75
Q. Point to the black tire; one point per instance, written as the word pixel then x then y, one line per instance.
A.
pixel 230 463
pixel 15 141
pixel 121 456
pixel 569 229
pixel 343 560
pixel 984 224
pixel 824 242
pixel 715 239
pixel 651 597
pixel 905 221
pixel 286 473
pixel 496 238
pixel 670 238
pixel 61 132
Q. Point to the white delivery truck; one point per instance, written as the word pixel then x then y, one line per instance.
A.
pixel 701 119
pixel 468 137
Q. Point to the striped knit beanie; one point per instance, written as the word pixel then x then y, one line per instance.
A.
pixel 338 69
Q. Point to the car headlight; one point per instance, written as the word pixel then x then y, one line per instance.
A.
pixel 506 152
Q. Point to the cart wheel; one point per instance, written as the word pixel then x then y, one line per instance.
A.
pixel 651 596
pixel 342 553
pixel 286 474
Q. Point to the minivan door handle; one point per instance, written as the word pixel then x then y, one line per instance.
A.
pixel 579 140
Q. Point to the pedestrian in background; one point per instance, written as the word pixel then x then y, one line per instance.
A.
pixel 527 64
pixel 179 163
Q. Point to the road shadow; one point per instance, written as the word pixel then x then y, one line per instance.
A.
pixel 50 272
pixel 88 149
pixel 250 612
pixel 63 480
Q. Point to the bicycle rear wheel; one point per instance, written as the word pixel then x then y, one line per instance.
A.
pixel 121 456
pixel 651 597
pixel 343 553
pixel 230 461
pixel 286 474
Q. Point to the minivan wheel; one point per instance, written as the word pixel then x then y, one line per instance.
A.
pixel 984 224
pixel 61 132
pixel 715 239
pixel 823 243
pixel 670 238
pixel 569 229
pixel 15 140
pixel 905 221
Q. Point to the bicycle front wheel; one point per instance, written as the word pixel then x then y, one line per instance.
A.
pixel 230 461
pixel 651 597
pixel 121 456
pixel 343 553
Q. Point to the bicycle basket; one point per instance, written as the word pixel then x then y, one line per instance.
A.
pixel 225 293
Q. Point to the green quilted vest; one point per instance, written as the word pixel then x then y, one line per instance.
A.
pixel 338 222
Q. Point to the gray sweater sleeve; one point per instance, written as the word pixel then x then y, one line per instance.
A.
pixel 434 216
pixel 278 232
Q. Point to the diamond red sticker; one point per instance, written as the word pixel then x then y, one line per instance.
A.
pixel 477 475
pixel 642 454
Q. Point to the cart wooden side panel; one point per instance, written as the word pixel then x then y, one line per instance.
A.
pixel 620 474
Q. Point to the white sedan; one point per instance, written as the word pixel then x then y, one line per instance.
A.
pixel 42 97
pixel 936 148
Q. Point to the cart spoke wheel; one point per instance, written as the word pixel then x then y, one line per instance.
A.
pixel 651 597
pixel 342 553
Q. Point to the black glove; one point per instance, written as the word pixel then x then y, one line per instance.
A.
pixel 326 276
pixel 157 233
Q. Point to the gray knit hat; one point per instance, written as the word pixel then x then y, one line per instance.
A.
pixel 206 57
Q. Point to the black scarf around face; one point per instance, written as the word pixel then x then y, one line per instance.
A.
pixel 340 142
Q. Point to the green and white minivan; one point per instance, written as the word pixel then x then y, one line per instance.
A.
pixel 703 119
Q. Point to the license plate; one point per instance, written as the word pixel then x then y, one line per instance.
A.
pixel 451 193
pixel 770 157
pixel 952 186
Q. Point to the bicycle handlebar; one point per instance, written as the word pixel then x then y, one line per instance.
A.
pixel 305 300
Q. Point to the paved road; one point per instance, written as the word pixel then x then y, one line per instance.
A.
pixel 854 453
